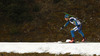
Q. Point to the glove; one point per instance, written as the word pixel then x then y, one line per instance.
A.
pixel 61 28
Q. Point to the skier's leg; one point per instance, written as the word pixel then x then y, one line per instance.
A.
pixel 82 34
pixel 73 30
pixel 72 34
pixel 80 31
pixel 84 39
pixel 73 39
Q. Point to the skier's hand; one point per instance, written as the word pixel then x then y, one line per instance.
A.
pixel 61 28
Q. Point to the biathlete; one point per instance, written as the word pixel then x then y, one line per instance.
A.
pixel 78 27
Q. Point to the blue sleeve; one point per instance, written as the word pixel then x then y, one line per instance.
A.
pixel 66 24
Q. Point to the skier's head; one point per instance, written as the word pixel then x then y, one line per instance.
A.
pixel 66 17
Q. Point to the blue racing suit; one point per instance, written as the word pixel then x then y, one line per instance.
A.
pixel 78 26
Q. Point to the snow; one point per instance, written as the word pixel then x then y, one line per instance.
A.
pixel 68 40
pixel 51 47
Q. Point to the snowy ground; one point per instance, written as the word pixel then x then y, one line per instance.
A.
pixel 51 47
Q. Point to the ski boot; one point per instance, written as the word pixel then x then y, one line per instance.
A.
pixel 84 40
pixel 72 41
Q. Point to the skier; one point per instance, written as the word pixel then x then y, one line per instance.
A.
pixel 78 27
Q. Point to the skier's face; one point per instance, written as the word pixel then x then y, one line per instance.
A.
pixel 66 19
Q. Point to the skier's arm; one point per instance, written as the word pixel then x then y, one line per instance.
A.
pixel 64 25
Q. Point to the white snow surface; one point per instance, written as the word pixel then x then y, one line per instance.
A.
pixel 88 48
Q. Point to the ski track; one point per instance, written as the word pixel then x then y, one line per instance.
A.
pixel 51 47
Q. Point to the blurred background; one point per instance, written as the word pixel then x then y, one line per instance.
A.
pixel 40 20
